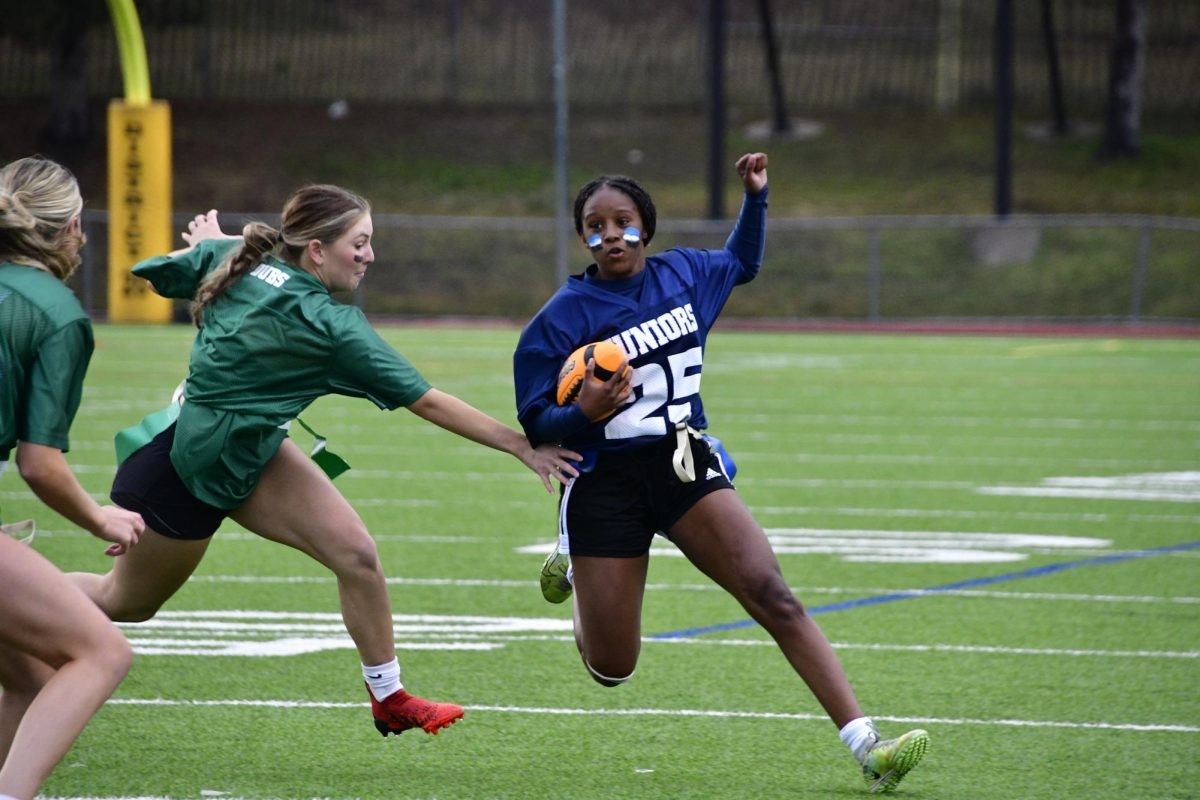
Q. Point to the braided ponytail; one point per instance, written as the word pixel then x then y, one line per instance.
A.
pixel 260 240
pixel 321 211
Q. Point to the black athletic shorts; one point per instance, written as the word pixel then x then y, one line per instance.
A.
pixel 614 510
pixel 147 483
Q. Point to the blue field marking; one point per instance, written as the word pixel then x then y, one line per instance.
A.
pixel 1033 572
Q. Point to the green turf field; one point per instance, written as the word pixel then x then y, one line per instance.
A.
pixel 998 534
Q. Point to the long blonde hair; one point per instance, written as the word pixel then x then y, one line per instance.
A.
pixel 38 200
pixel 321 211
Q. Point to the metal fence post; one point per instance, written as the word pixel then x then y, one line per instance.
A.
pixel 874 274
pixel 88 267
pixel 1140 268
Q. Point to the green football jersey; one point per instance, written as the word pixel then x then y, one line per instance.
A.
pixel 274 342
pixel 45 346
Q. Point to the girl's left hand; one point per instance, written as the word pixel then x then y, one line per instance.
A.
pixel 752 168
pixel 205 226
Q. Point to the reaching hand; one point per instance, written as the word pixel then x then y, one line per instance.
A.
pixel 205 226
pixel 551 461
pixel 752 168
pixel 121 527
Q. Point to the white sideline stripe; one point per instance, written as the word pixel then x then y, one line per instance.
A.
pixel 666 712
pixel 704 587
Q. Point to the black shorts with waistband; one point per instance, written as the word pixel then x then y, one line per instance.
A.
pixel 147 483
pixel 614 510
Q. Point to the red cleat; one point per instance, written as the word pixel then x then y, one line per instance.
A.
pixel 400 711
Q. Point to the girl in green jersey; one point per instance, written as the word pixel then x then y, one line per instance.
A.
pixel 272 340
pixel 60 659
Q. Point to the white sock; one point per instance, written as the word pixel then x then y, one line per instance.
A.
pixel 6 796
pixel 383 680
pixel 859 734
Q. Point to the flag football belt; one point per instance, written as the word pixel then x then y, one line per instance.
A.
pixel 14 529
pixel 682 459
pixel 133 438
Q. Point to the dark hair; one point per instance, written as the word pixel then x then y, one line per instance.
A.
pixel 321 211
pixel 622 183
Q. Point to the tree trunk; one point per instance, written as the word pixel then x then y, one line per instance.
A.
pixel 1122 122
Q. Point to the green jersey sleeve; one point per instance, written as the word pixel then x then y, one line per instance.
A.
pixel 178 276
pixel 365 365
pixel 56 386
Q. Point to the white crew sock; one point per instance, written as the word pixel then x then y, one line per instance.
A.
pixel 6 796
pixel 384 679
pixel 859 734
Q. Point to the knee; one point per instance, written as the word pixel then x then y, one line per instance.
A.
pixel 355 554
pixel 773 600
pixel 131 614
pixel 106 650
pixel 119 602
pixel 114 656
pixel 610 667
pixel 124 609
pixel 605 679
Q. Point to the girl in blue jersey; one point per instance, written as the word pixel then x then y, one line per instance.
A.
pixel 60 658
pixel 645 468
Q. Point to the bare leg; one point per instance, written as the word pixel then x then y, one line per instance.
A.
pixel 608 614
pixel 722 539
pixel 22 676
pixel 296 504
pixel 45 618
pixel 143 579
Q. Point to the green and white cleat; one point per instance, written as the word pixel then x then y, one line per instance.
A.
pixel 556 583
pixel 889 760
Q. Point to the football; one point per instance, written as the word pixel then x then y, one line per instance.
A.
pixel 570 378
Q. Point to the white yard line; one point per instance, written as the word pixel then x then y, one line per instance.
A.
pixel 675 712
pixel 709 587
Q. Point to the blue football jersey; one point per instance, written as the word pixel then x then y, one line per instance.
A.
pixel 661 325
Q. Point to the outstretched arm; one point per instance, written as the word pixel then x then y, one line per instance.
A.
pixel 46 471
pixel 457 416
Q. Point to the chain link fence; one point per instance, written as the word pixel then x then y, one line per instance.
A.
pixel 1130 269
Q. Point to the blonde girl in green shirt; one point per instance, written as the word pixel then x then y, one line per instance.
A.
pixel 60 658
pixel 271 340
